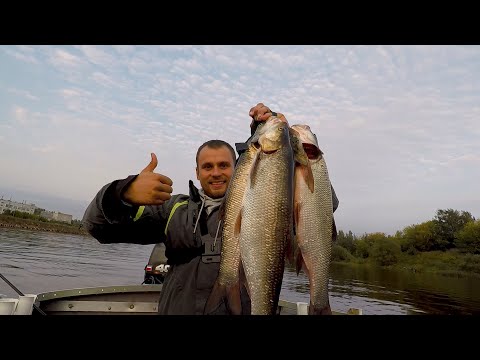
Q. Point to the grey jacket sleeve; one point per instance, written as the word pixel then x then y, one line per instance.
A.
pixel 110 220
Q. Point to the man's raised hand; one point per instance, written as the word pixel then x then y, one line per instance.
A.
pixel 149 188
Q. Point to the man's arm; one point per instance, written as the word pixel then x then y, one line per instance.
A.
pixel 109 219
pixel 131 210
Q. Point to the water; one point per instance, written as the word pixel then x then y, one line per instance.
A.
pixel 37 262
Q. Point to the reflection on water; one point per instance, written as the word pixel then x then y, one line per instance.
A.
pixel 38 262
pixel 379 291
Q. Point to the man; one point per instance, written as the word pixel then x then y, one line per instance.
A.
pixel 140 209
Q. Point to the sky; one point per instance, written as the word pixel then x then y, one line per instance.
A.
pixel 399 125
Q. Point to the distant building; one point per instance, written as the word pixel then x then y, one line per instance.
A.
pixel 32 209
pixel 16 206
pixel 56 215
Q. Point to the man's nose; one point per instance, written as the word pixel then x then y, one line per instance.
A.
pixel 216 171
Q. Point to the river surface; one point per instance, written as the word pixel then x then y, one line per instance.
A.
pixel 37 262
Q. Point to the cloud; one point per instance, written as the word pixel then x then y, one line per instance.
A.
pixel 398 124
pixel 28 58
pixel 20 114
pixel 97 55
pixel 44 149
pixel 23 93
pixel 63 58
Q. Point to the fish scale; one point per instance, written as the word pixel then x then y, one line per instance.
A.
pixel 266 224
pixel 314 220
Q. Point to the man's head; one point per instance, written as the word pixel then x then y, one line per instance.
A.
pixel 215 164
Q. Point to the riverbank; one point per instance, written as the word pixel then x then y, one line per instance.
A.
pixel 449 263
pixel 7 221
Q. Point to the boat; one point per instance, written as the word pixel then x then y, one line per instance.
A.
pixel 114 300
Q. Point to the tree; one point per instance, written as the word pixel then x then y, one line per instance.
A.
pixel 339 253
pixel 385 252
pixel 447 224
pixel 468 239
pixel 346 241
pixel 420 237
pixel 364 246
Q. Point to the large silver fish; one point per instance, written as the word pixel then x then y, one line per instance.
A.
pixel 266 218
pixel 314 223
pixel 227 287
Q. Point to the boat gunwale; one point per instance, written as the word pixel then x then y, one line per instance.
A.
pixel 65 293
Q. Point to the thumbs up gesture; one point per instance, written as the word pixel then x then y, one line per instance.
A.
pixel 149 188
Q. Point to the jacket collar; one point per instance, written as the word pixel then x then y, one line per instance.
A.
pixel 193 192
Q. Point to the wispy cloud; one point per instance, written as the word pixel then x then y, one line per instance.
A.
pixel 44 149
pixel 398 124
pixel 23 93
pixel 20 114
pixel 28 58
pixel 64 58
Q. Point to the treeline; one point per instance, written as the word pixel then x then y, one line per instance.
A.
pixel 24 215
pixel 449 230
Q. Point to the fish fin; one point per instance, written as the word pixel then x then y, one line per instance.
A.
pixel 215 299
pixel 317 310
pixel 234 301
pixel 306 171
pixel 253 169
pixel 299 262
pixel 301 265
pixel 290 247
pixel 238 224
pixel 296 213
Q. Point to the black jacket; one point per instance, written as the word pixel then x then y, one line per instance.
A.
pixel 191 276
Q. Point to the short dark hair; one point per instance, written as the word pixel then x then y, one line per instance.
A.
pixel 216 144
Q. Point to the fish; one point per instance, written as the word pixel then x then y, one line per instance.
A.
pixel 266 217
pixel 227 286
pixel 314 222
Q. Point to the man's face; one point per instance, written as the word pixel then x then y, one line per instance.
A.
pixel 215 168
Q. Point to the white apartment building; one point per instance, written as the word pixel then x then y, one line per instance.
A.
pixel 16 206
pixel 56 215
pixel 30 208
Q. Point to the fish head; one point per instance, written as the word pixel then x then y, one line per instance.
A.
pixel 308 140
pixel 273 135
pixel 298 151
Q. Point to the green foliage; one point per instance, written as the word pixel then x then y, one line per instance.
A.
pixel 470 263
pixel 339 253
pixel 363 247
pixel 447 224
pixel 346 241
pixel 468 239
pixel 419 237
pixel 24 215
pixel 385 252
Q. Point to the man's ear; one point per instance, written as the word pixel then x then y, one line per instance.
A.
pixel 196 170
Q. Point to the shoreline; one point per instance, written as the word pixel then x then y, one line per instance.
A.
pixel 9 222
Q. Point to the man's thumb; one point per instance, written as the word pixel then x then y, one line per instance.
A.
pixel 152 165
